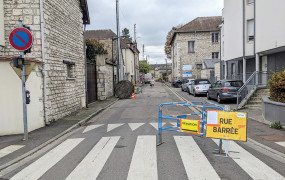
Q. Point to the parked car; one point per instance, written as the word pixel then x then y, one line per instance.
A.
pixel 224 90
pixel 177 83
pixel 185 84
pixel 199 86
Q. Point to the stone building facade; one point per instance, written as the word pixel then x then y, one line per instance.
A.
pixel 194 42
pixel 57 84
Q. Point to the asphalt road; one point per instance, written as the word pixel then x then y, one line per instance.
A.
pixel 120 143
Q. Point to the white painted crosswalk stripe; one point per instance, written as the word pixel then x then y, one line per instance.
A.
pixel 91 127
pixel 254 167
pixel 194 160
pixel 9 149
pixel 134 126
pixel 155 125
pixel 42 165
pixel 144 161
pixel 110 127
pixel 281 143
pixel 94 161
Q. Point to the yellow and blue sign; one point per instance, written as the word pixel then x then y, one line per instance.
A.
pixel 190 126
pixel 227 125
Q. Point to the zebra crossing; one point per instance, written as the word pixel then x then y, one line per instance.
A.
pixel 144 160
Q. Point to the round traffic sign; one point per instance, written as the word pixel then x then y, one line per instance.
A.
pixel 21 39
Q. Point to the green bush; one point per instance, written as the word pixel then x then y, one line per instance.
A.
pixel 277 87
pixel 276 125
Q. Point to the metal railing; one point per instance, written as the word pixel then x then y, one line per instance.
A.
pixel 256 79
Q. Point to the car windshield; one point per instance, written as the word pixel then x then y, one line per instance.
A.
pixel 233 84
pixel 203 82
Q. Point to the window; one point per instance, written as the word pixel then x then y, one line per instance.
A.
pixel 199 66
pixel 215 55
pixel 233 84
pixel 215 37
pixel 250 1
pixel 2 32
pixel 203 82
pixel 250 30
pixel 70 69
pixel 191 46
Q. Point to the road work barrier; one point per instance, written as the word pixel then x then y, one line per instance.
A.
pixel 215 122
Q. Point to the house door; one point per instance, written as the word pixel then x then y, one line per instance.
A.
pixel 91 82
pixel 264 70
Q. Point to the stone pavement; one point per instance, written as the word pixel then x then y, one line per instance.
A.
pixel 43 136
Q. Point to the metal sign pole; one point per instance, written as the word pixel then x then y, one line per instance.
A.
pixel 24 93
pixel 24 100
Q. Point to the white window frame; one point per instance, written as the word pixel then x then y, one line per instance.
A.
pixel 250 30
pixel 250 1
pixel 215 53
pixel 2 29
pixel 215 37
pixel 191 49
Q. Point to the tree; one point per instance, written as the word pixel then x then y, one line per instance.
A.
pixel 94 47
pixel 126 33
pixel 167 46
pixel 144 67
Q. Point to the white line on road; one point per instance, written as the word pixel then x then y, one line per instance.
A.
pixel 91 127
pixel 144 161
pixel 134 126
pixel 254 167
pixel 113 126
pixel 195 162
pixel 9 149
pixel 155 125
pixel 94 161
pixel 42 165
pixel 281 143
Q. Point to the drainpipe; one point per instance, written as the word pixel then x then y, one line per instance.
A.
pixel 256 54
pixel 195 49
pixel 85 58
pixel 243 43
pixel 44 72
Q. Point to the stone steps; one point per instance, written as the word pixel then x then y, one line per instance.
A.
pixel 255 101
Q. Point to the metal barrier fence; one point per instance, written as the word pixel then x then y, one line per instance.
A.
pixel 204 107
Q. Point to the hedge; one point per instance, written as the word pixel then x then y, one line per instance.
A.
pixel 277 87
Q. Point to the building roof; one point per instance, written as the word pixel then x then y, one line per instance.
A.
pixel 210 63
pixel 200 24
pixel 125 43
pixel 100 34
pixel 85 11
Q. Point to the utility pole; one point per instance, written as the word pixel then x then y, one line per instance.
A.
pixel 143 51
pixel 166 68
pixel 135 33
pixel 119 66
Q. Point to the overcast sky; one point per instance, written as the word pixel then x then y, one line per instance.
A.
pixel 154 18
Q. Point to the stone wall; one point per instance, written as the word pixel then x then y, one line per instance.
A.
pixel 64 41
pixel 104 77
pixel 29 12
pixel 217 70
pixel 203 50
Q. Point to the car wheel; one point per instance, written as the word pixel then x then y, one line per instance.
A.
pixel 194 93
pixel 182 89
pixel 208 97
pixel 188 91
pixel 219 99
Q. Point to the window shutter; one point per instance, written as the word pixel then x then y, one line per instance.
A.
pixel 250 27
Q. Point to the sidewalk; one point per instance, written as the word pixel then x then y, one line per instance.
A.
pixel 258 131
pixel 43 136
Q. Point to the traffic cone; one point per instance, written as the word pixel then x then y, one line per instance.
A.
pixel 133 96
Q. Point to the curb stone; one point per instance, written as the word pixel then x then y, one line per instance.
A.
pixel 78 124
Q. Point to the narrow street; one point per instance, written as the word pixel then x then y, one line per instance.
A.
pixel 120 143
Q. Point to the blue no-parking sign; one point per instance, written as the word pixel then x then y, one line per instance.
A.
pixel 21 39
